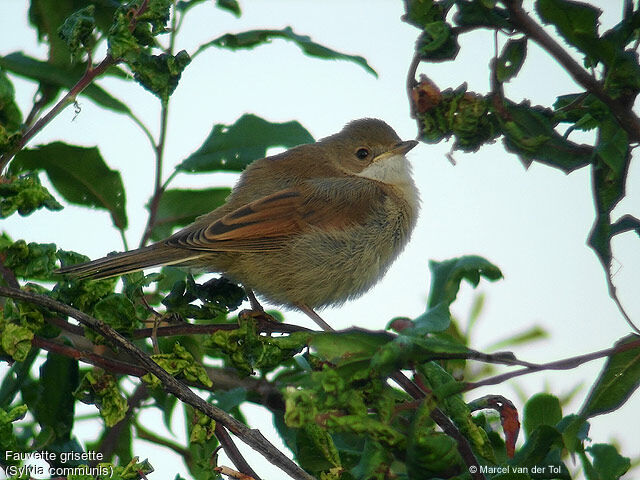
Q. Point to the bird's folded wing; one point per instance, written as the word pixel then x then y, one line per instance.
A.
pixel 263 224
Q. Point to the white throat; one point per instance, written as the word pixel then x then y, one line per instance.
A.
pixel 394 171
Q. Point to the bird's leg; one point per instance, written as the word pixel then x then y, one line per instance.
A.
pixel 314 316
pixel 253 301
pixel 256 312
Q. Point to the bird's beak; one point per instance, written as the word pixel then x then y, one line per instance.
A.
pixel 399 148
pixel 403 147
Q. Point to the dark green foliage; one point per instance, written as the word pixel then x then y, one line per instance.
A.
pixel 160 73
pixel 10 115
pixel 233 147
pixel 217 296
pixel 337 398
pixel 25 195
pixel 77 29
pixel 180 207
pixel 62 77
pixel 254 38
pixel 531 132
pixel 80 175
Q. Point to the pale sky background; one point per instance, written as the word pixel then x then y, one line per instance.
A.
pixel 533 223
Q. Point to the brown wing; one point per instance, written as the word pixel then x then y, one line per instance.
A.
pixel 262 224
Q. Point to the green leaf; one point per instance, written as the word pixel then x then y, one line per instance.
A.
pixel 432 455
pixel 34 260
pixel 65 77
pixel 623 77
pixel 117 311
pixel 539 444
pixel 248 351
pixel 159 74
pixel 55 403
pixel 25 195
pixel 230 400
pixel 477 14
pixel 348 346
pixel 202 446
pixel 8 440
pixel 179 363
pixel 16 341
pixel 609 464
pixel 217 297
pixel 575 430
pixel 437 42
pixel 612 146
pixel 374 460
pixel 447 392
pixel 10 115
pixel 609 178
pixel 77 29
pixel 254 38
pixel 511 59
pixel 406 350
pixel 447 276
pixel 529 132
pixel 48 15
pixel 422 12
pixel 231 6
pixel 541 409
pixel 101 389
pixel 80 175
pixel 316 450
pixel 178 208
pixel 577 23
pixel 233 147
pixel 619 378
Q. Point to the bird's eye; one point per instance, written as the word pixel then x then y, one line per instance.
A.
pixel 362 153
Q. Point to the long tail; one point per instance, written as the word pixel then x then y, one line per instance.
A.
pixel 128 262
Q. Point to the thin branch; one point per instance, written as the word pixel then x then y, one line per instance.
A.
pixel 158 189
pixel 222 470
pixel 70 98
pixel 464 448
pixel 233 453
pixel 8 276
pixel 565 364
pixel 411 83
pixel 149 436
pixel 627 119
pixel 251 437
pixel 92 358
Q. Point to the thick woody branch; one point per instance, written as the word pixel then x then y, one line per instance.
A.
pixel 251 437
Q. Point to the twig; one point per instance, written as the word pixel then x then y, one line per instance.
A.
pixel 625 116
pixel 411 83
pixel 152 437
pixel 464 448
pixel 92 358
pixel 159 188
pixel 68 99
pixel 251 437
pixel 233 453
pixel 565 364
pixel 232 473
pixel 8 276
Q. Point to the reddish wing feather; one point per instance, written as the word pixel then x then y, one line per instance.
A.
pixel 262 224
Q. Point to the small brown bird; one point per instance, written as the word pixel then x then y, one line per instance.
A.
pixel 314 226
